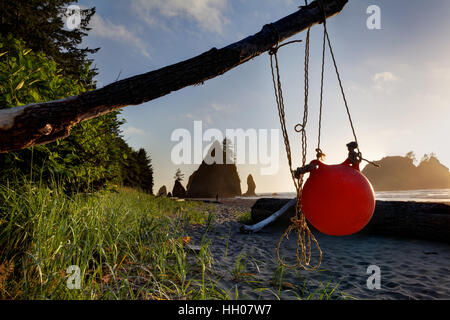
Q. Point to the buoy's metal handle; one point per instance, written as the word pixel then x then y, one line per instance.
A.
pixel 307 168
pixel 315 165
pixel 350 164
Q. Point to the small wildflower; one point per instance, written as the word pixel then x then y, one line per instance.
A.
pixel 106 278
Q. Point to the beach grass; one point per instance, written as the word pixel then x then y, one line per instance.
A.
pixel 125 245
pixel 245 217
pixel 115 246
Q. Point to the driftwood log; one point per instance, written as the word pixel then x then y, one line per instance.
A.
pixel 415 220
pixel 281 212
pixel 40 123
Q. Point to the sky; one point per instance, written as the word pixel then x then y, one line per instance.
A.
pixel 397 78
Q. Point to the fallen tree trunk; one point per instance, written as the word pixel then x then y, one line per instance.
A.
pixel 41 123
pixel 415 220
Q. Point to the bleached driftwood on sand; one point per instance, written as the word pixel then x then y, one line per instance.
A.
pixel 258 226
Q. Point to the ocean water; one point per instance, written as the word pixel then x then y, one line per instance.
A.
pixel 434 195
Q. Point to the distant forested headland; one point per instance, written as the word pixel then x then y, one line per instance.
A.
pixel 401 173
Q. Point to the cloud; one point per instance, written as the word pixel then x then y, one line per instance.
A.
pixel 208 14
pixel 208 119
pixel 210 113
pixel 440 73
pixel 217 107
pixel 395 132
pixel 200 116
pixel 133 131
pixel 384 77
pixel 104 28
pixel 384 80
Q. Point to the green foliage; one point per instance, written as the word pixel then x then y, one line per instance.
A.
pixel 412 156
pixel 245 217
pixel 92 157
pixel 137 170
pixel 128 245
pixel 40 24
pixel 28 77
pixel 178 175
pixel 40 60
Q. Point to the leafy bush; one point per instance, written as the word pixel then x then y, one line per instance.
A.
pixel 92 157
pixel 41 24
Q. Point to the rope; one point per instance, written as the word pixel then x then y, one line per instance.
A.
pixel 355 156
pixel 280 104
pixel 341 86
pixel 306 90
pixel 319 154
pixel 304 236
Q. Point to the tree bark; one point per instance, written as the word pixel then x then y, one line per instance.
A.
pixel 41 123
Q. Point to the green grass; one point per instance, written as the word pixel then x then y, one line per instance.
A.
pixel 245 274
pixel 245 217
pixel 127 245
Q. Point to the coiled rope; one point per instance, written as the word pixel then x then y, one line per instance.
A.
pixel 304 235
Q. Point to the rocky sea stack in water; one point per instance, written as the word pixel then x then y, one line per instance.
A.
pixel 251 187
pixel 178 190
pixel 215 177
pixel 400 173
pixel 162 192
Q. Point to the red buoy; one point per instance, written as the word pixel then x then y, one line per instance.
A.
pixel 338 199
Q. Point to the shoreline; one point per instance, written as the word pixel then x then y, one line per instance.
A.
pixel 420 195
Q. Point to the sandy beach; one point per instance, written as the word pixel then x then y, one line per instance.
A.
pixel 410 269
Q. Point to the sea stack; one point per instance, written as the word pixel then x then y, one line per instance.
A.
pixel 251 187
pixel 217 178
pixel 162 192
pixel 178 190
pixel 400 173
